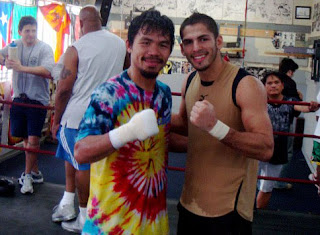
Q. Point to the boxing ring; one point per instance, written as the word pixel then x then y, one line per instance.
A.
pixel 264 220
pixel 173 168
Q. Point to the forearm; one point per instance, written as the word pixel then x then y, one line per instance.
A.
pixel 93 148
pixel 141 126
pixel 178 143
pixel 39 71
pixel 179 125
pixel 61 101
pixel 253 145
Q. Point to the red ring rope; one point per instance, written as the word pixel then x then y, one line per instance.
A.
pixel 27 105
pixel 172 167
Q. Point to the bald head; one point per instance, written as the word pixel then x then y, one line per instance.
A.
pixel 90 19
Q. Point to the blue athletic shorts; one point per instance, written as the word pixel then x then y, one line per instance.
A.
pixel 67 139
pixel 25 121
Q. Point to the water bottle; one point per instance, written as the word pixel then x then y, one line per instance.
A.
pixel 13 51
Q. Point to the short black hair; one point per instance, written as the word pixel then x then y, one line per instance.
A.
pixel 196 18
pixel 287 64
pixel 150 21
pixel 277 74
pixel 25 20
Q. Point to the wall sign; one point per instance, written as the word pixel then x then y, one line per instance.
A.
pixel 303 12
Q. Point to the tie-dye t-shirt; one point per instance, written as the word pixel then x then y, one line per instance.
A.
pixel 128 188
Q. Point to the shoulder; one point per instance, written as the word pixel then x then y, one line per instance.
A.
pixel 107 89
pixel 44 45
pixel 288 80
pixel 18 42
pixel 163 86
pixel 250 90
pixel 114 38
pixel 44 48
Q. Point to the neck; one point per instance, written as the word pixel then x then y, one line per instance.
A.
pixel 275 97
pixel 90 28
pixel 146 84
pixel 213 72
pixel 29 44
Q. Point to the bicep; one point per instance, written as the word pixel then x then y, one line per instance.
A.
pixel 70 68
pixel 252 99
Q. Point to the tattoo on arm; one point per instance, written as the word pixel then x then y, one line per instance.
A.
pixel 65 73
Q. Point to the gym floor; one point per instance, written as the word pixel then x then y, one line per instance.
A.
pixel 295 211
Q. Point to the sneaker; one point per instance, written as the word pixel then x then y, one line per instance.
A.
pixel 37 177
pixel 74 226
pixel 27 184
pixel 63 213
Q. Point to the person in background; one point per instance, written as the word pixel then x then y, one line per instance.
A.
pixel 30 85
pixel 280 116
pixel 96 56
pixel 288 67
pixel 224 112
pixel 124 134
pixel 316 150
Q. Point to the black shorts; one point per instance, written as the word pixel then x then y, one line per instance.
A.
pixel 231 223
pixel 26 121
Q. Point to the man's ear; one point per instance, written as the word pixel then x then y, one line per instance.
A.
pixel 19 32
pixel 181 48
pixel 129 49
pixel 219 42
pixel 81 24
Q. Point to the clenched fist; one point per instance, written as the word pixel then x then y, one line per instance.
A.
pixel 203 115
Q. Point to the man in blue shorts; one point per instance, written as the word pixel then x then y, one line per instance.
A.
pixel 30 86
pixel 280 115
pixel 86 64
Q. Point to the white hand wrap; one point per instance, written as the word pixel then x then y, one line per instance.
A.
pixel 220 130
pixel 141 126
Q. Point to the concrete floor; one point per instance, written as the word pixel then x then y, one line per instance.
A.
pixel 31 214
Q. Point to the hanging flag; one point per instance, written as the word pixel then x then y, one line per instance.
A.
pixel 75 27
pixel 18 12
pixel 59 19
pixel 5 22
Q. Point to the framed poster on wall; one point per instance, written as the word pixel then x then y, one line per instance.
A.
pixel 303 12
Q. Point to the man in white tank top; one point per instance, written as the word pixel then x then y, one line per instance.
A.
pixel 95 57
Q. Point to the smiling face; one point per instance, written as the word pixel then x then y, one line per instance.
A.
pixel 273 86
pixel 200 47
pixel 149 53
pixel 29 34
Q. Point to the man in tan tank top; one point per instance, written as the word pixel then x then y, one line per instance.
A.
pixel 224 113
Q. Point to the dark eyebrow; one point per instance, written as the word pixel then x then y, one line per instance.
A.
pixel 146 38
pixel 199 37
pixel 204 35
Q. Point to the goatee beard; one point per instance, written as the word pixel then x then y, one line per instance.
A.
pixel 202 69
pixel 148 75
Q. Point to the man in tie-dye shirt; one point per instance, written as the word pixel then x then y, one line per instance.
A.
pixel 124 134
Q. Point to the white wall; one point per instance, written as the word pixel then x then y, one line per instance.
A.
pixel 312 89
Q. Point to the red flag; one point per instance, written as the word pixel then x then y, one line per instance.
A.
pixel 59 19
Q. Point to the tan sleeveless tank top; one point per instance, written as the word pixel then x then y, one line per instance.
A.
pixel 218 179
